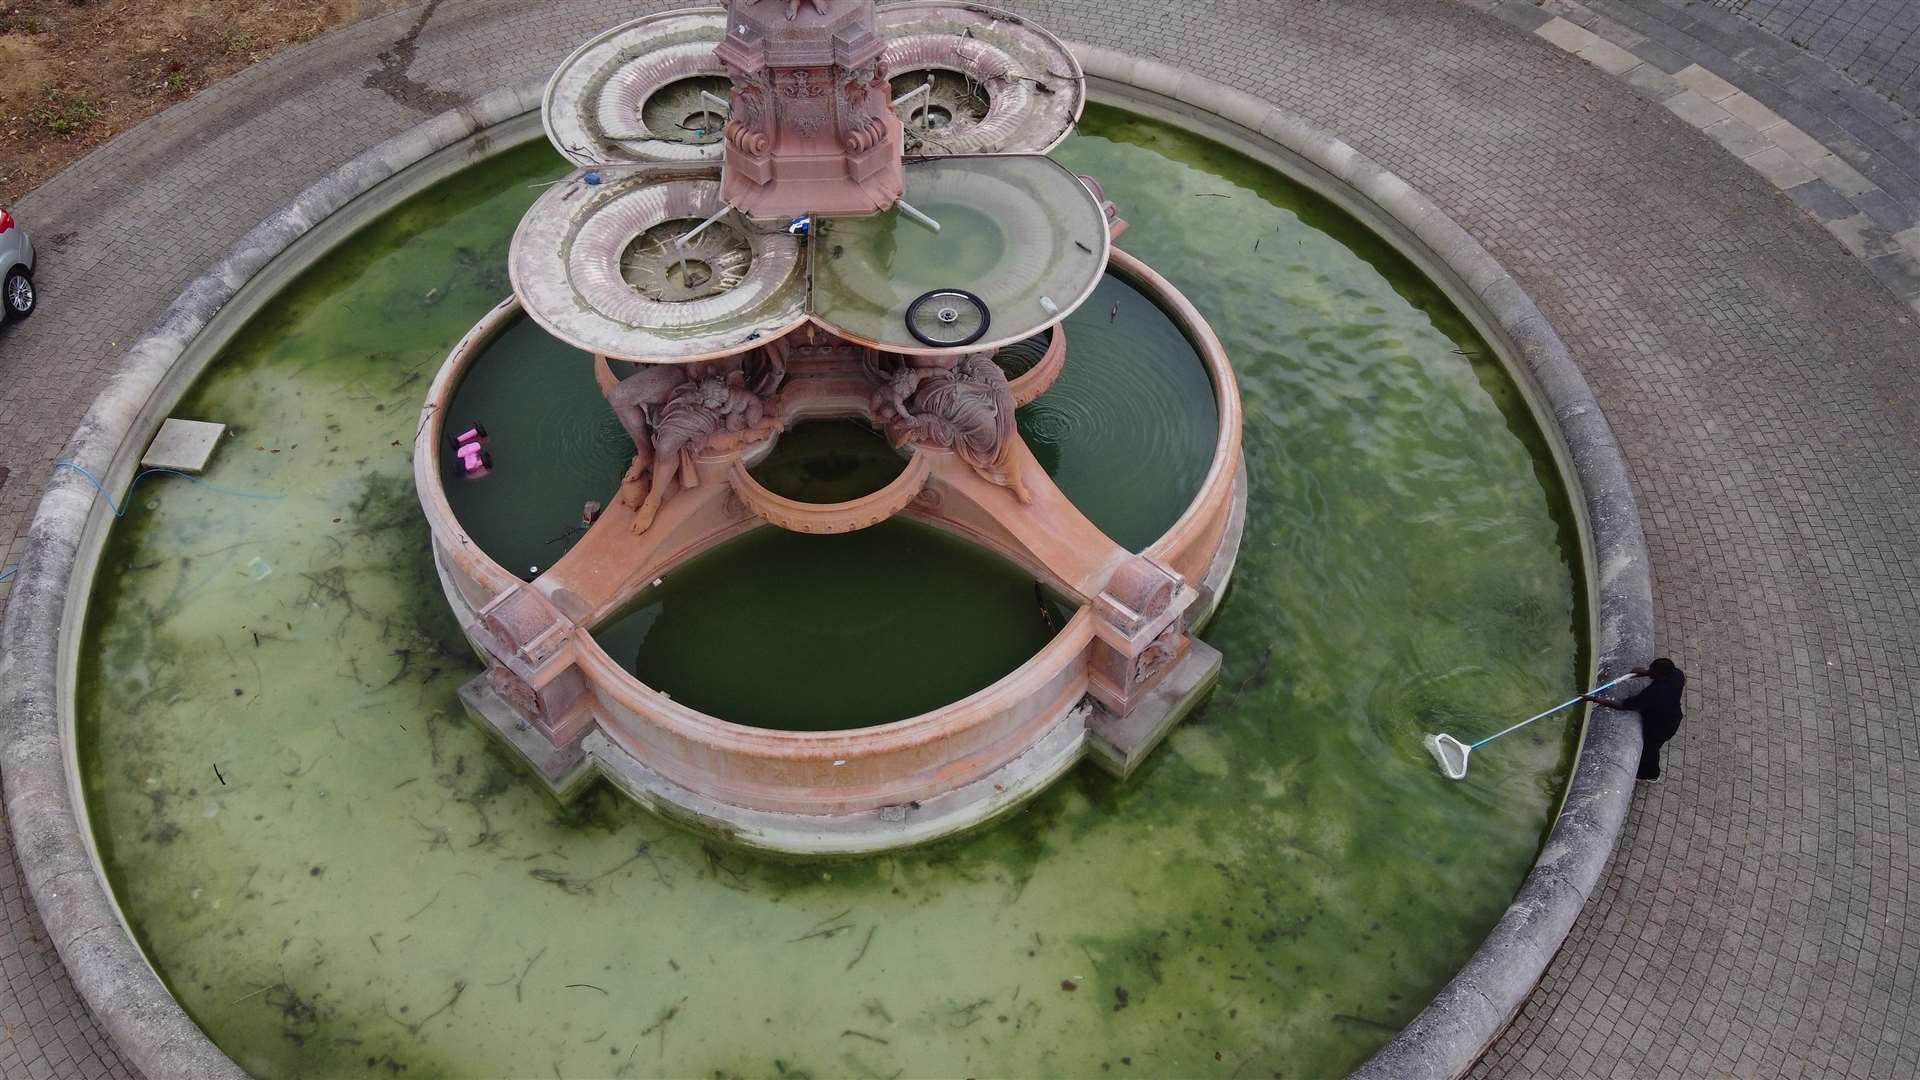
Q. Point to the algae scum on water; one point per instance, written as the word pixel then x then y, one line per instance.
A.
pixel 338 875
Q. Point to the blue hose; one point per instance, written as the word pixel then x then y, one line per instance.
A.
pixel 120 511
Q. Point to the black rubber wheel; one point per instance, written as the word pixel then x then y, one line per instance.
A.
pixel 17 294
pixel 948 319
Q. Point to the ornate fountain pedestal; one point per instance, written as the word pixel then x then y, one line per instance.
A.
pixel 812 123
pixel 801 286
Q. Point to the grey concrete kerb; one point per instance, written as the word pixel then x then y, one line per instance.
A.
pixel 1444 1040
pixel 42 792
pixel 1457 1027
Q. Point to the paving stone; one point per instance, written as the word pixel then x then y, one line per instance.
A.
pixel 1746 109
pixel 1705 83
pixel 1520 13
pixel 1566 35
pixel 1861 236
pixel 1688 105
pixel 1793 140
pixel 1609 57
pixel 1739 139
pixel 1899 272
pixel 1651 82
pixel 1780 168
pixel 1845 178
pixel 1660 56
pixel 1817 197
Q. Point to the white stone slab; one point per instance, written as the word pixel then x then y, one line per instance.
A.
pixel 1566 35
pixel 1845 178
pixel 186 445
pixel 1749 111
pixel 1608 57
pixel 1705 83
pixel 1781 168
pixel 1688 105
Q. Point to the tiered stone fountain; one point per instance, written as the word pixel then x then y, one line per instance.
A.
pixel 819 210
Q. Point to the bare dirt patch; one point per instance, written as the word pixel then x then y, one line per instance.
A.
pixel 75 73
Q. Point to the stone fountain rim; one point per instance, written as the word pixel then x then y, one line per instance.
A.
pixel 111 972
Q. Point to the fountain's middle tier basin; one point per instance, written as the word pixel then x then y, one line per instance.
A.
pixel 969 685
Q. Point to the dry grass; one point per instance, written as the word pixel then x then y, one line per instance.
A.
pixel 75 73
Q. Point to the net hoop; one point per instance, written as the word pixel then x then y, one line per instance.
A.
pixel 1450 754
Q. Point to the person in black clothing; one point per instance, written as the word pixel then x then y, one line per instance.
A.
pixel 1658 704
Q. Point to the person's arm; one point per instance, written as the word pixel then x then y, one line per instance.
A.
pixel 1631 704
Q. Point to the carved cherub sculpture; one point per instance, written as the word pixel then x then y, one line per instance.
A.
pixel 891 401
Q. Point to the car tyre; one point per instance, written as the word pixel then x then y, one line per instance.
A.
pixel 18 296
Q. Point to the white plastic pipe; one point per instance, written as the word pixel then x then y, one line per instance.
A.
pixel 907 209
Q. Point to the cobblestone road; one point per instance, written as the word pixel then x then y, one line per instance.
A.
pixel 1761 382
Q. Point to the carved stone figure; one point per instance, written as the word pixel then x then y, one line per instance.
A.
pixel 892 401
pixel 633 397
pixel 967 408
pixel 672 412
pixel 705 414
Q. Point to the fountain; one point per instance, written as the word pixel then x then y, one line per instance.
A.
pixel 862 243
pixel 335 871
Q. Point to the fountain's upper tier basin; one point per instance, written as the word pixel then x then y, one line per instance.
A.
pixel 632 95
pixel 602 261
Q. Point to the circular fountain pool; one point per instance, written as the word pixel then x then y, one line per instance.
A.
pixel 336 872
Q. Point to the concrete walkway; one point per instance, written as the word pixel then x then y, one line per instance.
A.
pixel 1760 377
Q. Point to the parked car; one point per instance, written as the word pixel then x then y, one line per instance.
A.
pixel 17 295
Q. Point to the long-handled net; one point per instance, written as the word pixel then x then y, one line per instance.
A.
pixel 1452 755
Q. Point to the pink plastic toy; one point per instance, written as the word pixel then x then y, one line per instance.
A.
pixel 470 447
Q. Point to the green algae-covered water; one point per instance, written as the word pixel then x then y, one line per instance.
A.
pixel 829 461
pixel 338 875
pixel 1129 429
pixel 803 607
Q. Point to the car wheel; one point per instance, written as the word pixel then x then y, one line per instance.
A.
pixel 18 295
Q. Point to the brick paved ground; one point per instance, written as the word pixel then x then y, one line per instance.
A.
pixel 1848 158
pixel 1876 42
pixel 1761 381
